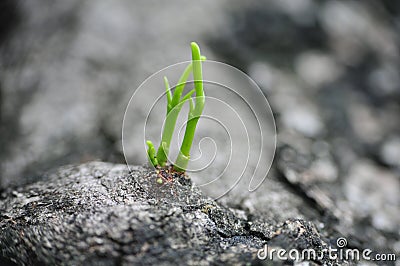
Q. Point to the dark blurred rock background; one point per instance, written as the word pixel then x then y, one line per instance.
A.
pixel 69 68
pixel 330 70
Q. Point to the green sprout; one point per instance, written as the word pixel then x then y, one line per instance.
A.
pixel 175 103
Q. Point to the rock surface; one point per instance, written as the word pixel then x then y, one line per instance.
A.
pixel 327 68
pixel 99 214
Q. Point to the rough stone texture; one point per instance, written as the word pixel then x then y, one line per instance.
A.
pixel 99 214
pixel 327 68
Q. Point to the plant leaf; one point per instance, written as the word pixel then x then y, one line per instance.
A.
pixel 188 95
pixel 151 152
pixel 169 95
pixel 181 85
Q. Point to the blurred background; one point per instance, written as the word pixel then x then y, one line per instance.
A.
pixel 330 70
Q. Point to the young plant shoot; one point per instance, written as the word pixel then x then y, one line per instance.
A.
pixel 175 103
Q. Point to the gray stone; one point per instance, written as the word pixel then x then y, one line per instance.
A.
pixel 390 151
pixel 76 216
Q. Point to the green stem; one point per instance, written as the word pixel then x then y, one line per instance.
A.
pixel 169 126
pixel 151 152
pixel 174 106
pixel 184 155
pixel 181 85
pixel 195 113
pixel 168 93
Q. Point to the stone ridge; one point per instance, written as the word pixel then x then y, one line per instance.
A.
pixel 99 213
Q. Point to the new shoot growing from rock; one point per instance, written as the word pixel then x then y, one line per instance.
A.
pixel 175 103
